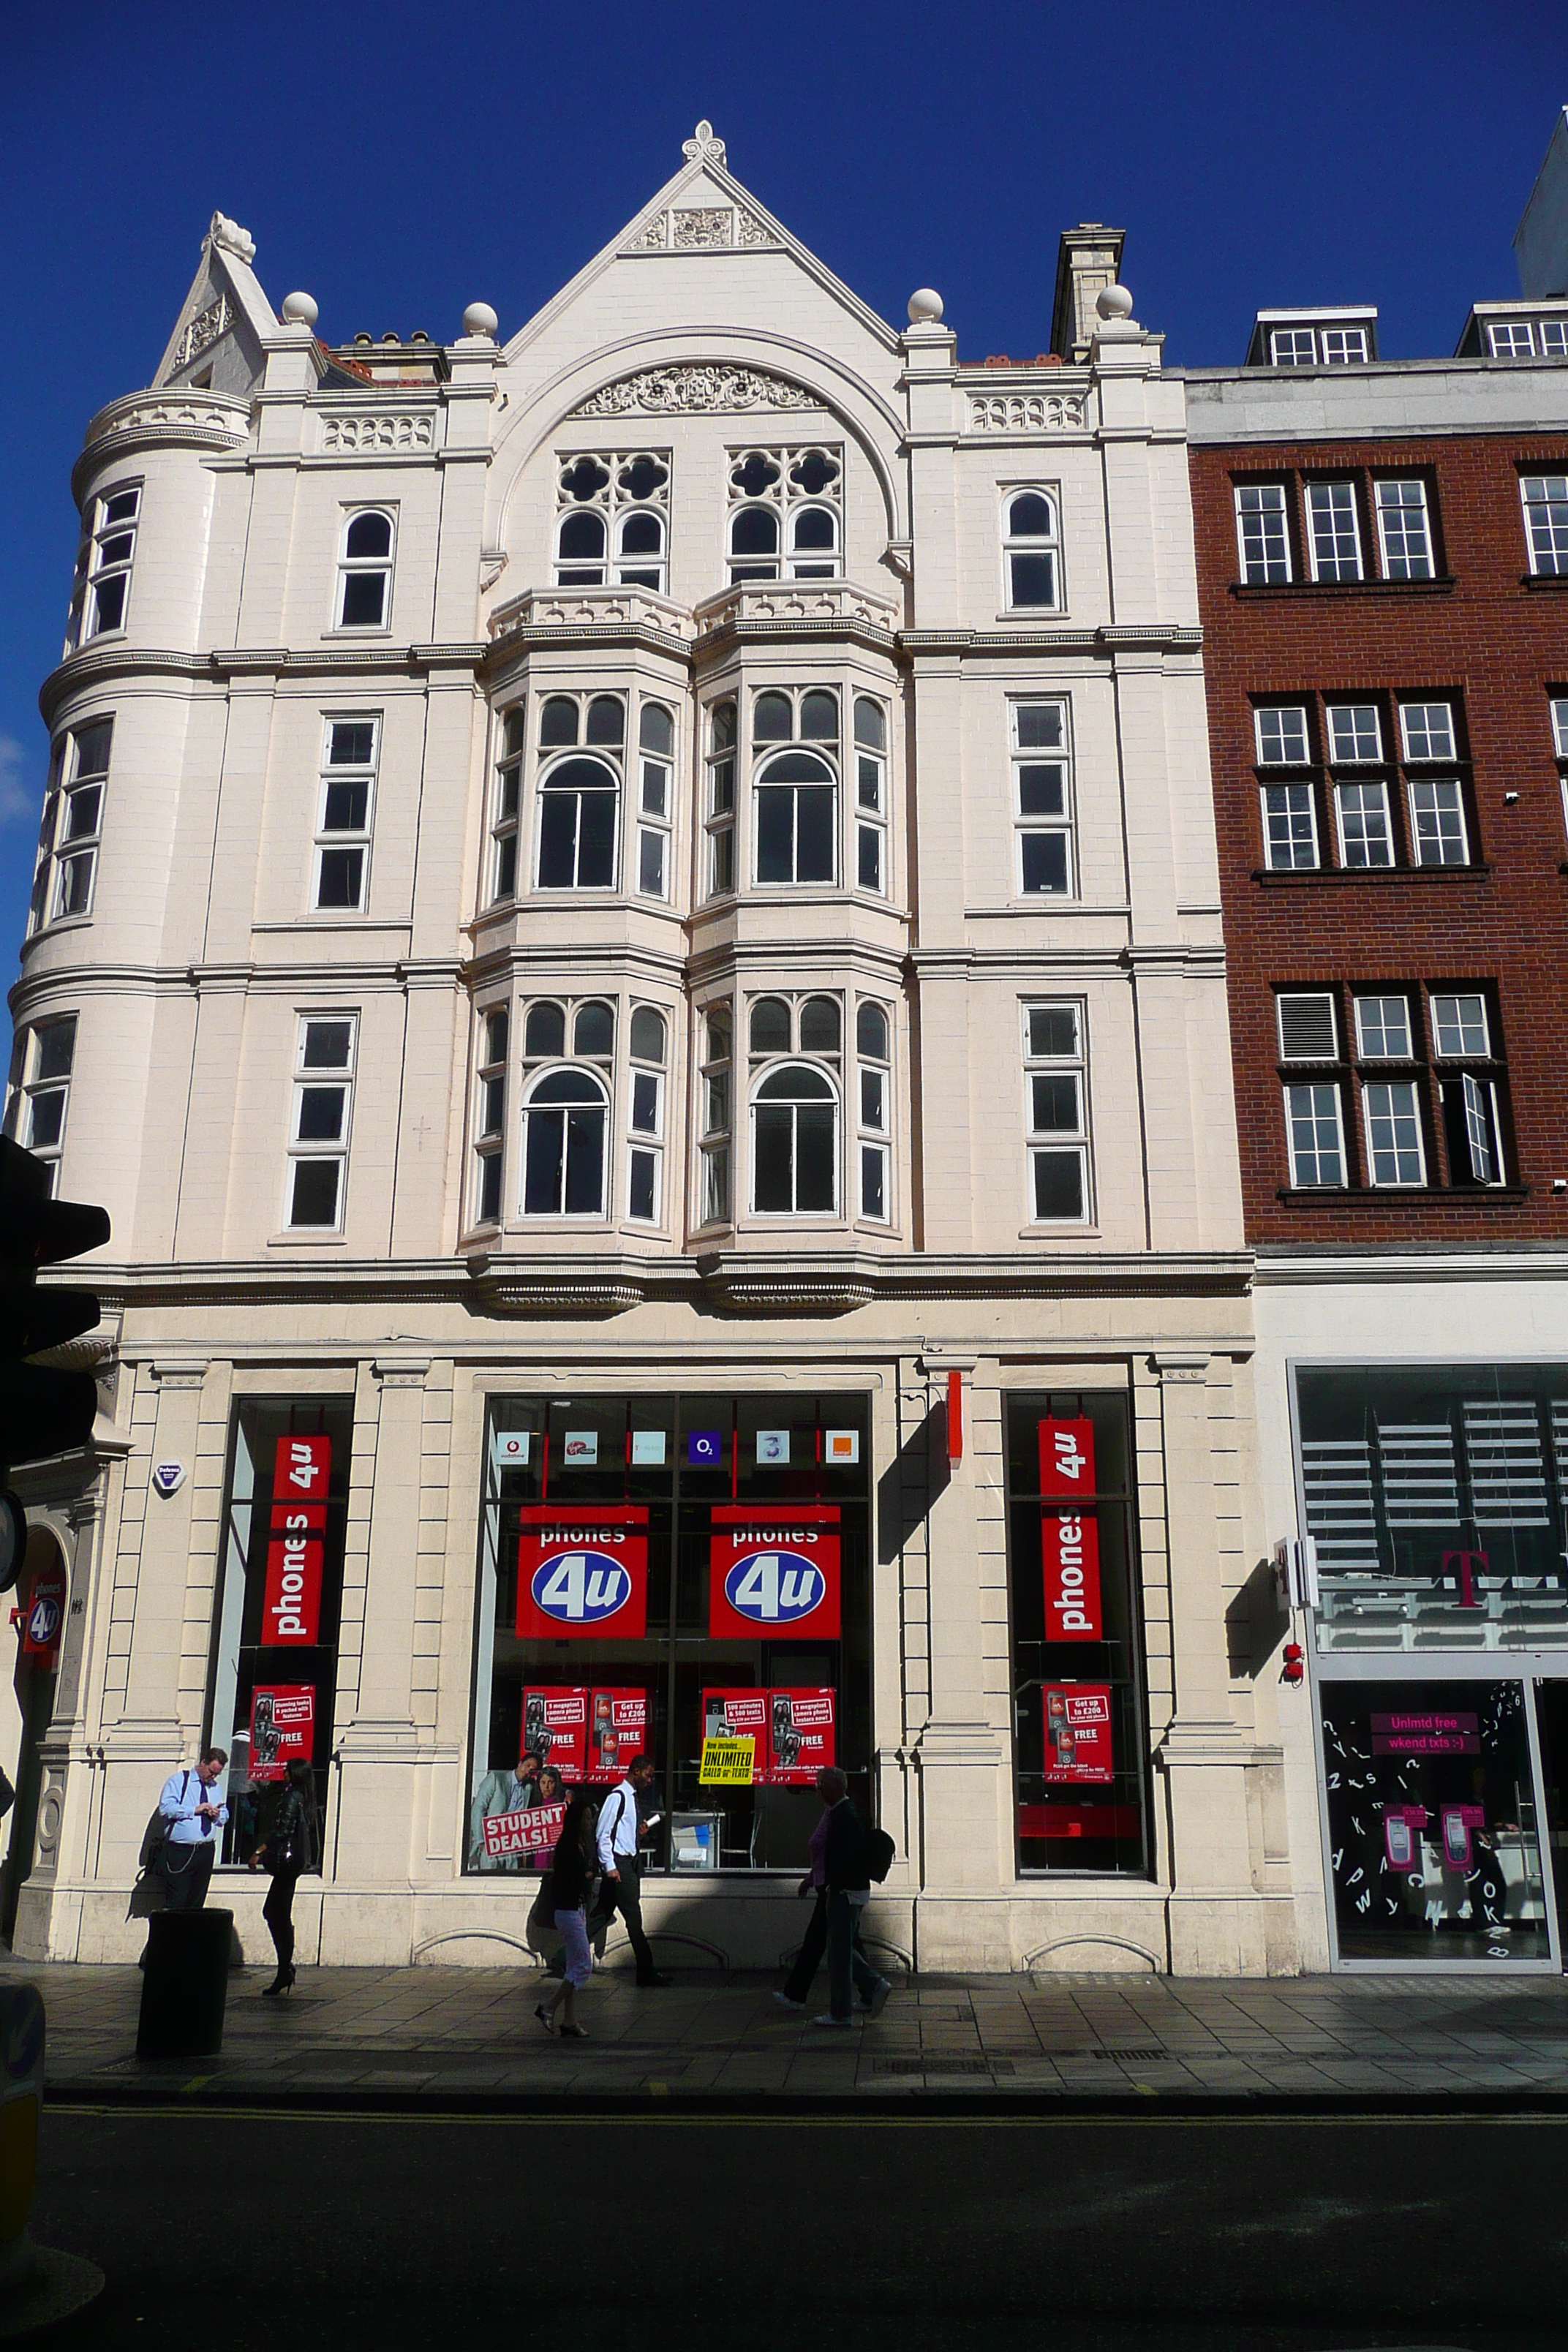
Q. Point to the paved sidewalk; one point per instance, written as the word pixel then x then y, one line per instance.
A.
pixel 426 2035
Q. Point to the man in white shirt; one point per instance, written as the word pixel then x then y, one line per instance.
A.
pixel 621 1889
pixel 191 1815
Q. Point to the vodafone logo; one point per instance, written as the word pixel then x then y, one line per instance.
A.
pixel 776 1588
pixel 581 1587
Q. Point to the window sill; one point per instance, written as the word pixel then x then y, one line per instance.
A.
pixel 360 636
pixel 338 919
pixel 83 922
pixel 1064 1230
pixel 1418 1195
pixel 1027 613
pixel 1544 580
pixel 305 1237
pixel 1266 591
pixel 1316 876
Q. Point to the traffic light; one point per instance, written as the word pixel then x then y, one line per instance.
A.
pixel 42 1411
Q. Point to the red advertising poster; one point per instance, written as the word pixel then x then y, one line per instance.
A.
pixel 617 1730
pixel 1066 1458
pixel 291 1599
pixel 774 1569
pixel 1421 1732
pixel 533 1831
pixel 1070 1546
pixel 46 1611
pixel 800 1735
pixel 582 1569
pixel 739 1715
pixel 555 1726
pixel 282 1727
pixel 301 1468
pixel 1078 1731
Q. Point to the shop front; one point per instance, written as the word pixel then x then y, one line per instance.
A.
pixel 1434 1496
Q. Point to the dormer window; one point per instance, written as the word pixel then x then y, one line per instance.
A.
pixel 1527 339
pixel 1313 339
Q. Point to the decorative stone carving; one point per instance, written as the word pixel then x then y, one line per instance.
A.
pixel 492 564
pixel 229 238
pixel 702 224
pixel 693 390
pixel 1027 412
pixel 582 608
pixel 752 231
pixel 654 238
pixel 202 330
pixel 784 600
pixel 359 433
pixel 702 147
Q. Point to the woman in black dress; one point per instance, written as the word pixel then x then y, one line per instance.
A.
pixel 292 1846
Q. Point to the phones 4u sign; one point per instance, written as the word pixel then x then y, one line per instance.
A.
pixel 582 1571
pixel 773 1569
pixel 1069 1539
pixel 291 1598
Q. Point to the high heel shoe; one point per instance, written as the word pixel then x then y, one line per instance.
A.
pixel 282 1982
pixel 544 2016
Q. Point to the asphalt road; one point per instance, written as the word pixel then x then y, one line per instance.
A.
pixel 1141 2234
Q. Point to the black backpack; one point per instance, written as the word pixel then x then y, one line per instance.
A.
pixel 155 1837
pixel 881 1853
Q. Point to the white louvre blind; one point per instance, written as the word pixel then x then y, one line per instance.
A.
pixel 1508 1469
pixel 1336 1477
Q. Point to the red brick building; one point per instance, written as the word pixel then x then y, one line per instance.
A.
pixel 1382 569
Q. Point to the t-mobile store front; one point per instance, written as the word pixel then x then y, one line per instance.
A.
pixel 1434 1496
pixel 673 1575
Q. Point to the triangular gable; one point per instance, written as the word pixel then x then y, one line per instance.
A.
pixel 704 208
pixel 223 318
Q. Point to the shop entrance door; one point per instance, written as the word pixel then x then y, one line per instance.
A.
pixel 1552 1721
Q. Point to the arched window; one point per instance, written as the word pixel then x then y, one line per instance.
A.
pixel 580 551
pixel 648 1036
pixel 770 1025
pixel 772 719
pixel 364 571
pixel 814 543
pixel 544 1033
pixel 819 1025
pixel 558 722
pixel 796 816
pixel 871 1033
pixel 795 1143
pixel 563 1146
pixel 819 718
pixel 1031 552
pixel 579 806
pixel 594 1032
pixel 753 544
pixel 639 550
pixel 606 720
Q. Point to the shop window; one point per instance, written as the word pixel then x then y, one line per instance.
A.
pixel 733 1595
pixel 1078 1759
pixel 272 1680
pixel 1434 1838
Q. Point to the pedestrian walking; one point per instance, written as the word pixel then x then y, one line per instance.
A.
pixel 191 1813
pixel 292 1845
pixel 621 1887
pixel 571 1875
pixel 847 1874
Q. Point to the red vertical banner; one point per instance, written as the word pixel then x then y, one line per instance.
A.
pixel 1070 1547
pixel 296 1551
pixel 283 1728
pixel 301 1470
pixel 1066 1458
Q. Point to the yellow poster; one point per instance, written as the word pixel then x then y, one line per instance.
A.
pixel 727 1763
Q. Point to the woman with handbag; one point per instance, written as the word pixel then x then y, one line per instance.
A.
pixel 292 1846
pixel 570 1878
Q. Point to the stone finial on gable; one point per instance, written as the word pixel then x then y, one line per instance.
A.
pixel 702 147
pixel 229 238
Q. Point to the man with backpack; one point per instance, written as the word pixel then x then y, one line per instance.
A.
pixel 190 1815
pixel 850 1852
pixel 620 1889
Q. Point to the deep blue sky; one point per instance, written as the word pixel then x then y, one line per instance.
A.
pixel 399 162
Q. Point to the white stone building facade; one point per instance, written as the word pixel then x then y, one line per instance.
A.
pixel 638 906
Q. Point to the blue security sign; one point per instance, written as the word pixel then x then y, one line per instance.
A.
pixel 774 1588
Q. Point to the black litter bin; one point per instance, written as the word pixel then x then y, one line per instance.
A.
pixel 184 1984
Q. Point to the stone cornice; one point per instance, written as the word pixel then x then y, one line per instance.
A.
pixel 96 666
pixel 1108 637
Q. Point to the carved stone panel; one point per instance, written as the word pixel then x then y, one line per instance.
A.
pixel 693 390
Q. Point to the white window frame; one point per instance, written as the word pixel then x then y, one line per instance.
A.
pixel 1329 490
pixel 352 840
pixel 612 505
pixel 874 1116
pixel 1262 564
pixel 765 753
pixel 1046 543
pixel 1424 755
pixel 48 1064
pixel 1408 560
pixel 491 1070
pixel 1325 1093
pixel 1055 1142
pixel 1280 827
pixel 1037 825
pixel 721 797
pixel 1465 1049
pixel 576 1067
pixel 820 1067
pixel 1548 552
pixel 1511 331
pixel 781 495
pixel 715 1055
pixel 1372 1031
pixel 1358 756
pixel 1362 787
pixel 356 567
pixel 506 824
pixel 306 1151
pixel 646 1079
pixel 1343 346
pixel 868 750
pixel 551 758
pixel 1267 759
pixel 1313 996
pixel 1551 336
pixel 1438 820
pixel 1393 1101
pixel 656 768
pixel 1283 342
pixel 103 559
pixel 67 869
pixel 1559 708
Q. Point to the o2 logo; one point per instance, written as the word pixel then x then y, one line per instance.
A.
pixel 774 1588
pixel 581 1587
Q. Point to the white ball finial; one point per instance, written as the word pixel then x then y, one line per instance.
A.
pixel 299 310
pixel 1113 302
pixel 478 318
pixel 925 306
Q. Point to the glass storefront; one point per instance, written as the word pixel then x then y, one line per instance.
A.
pixel 659 1572
pixel 1433 1822
pixel 275 1630
pixel 1078 1743
pixel 1436 1496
